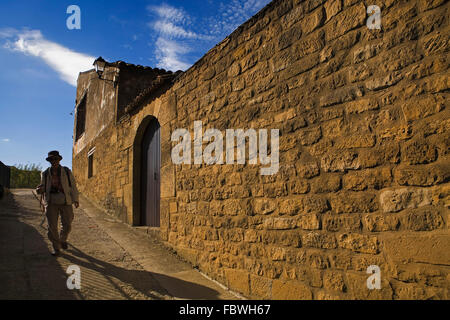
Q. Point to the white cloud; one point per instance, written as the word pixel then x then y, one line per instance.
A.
pixel 171 22
pixel 67 63
pixel 175 28
pixel 169 29
pixel 233 14
pixel 5 140
pixel 7 32
pixel 167 53
pixel 170 13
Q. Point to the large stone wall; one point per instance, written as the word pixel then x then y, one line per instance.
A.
pixel 364 154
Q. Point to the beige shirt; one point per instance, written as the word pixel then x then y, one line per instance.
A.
pixel 70 192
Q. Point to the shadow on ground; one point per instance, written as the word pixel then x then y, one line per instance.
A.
pixel 28 271
pixel 134 277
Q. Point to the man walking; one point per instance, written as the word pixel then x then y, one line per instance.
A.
pixel 60 192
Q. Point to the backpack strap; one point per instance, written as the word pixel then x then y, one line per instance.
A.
pixel 67 170
pixel 45 178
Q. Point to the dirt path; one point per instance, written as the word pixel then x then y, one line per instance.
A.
pixel 111 257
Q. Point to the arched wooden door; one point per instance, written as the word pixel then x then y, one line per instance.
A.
pixel 150 177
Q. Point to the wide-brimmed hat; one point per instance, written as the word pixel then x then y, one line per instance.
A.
pixel 53 154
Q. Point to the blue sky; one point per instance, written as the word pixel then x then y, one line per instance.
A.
pixel 40 57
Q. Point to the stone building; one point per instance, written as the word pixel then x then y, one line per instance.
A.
pixel 364 166
pixel 5 177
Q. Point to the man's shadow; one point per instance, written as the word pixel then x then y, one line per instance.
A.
pixel 28 271
pixel 148 283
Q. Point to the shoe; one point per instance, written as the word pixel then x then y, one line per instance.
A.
pixel 64 245
pixel 56 253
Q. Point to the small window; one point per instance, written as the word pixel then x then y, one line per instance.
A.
pixel 91 163
pixel 81 118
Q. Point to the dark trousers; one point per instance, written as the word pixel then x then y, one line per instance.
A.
pixel 53 212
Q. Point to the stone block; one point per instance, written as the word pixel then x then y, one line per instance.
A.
pixel 361 105
pixel 422 107
pixel 381 222
pixel 310 44
pixel 385 153
pixel 298 67
pixel 340 96
pixel 404 198
pixel 342 260
pixel 238 280
pixel 334 281
pixel 424 176
pixel 173 207
pixel 326 183
pixel 289 37
pixel 280 223
pixel 317 260
pixel 332 8
pixel 365 52
pixel 342 222
pixel 290 206
pixel 264 206
pixel 340 161
pixel 430 248
pixel 383 82
pixel 307 169
pixel 168 181
pixel 277 254
pixel 288 238
pixel 290 290
pixel 309 136
pixel 413 291
pixel 190 255
pixel 314 204
pixel 260 287
pixel 319 240
pixel 209 73
pixel 357 287
pixel 359 243
pixel 298 186
pixel 356 73
pixel 356 141
pixel 308 222
pixel 423 219
pixel 353 202
pixel 168 110
pixel 418 151
pixel 368 179
pixel 313 21
pixel 252 236
pixel 434 43
pixel 274 190
pixel 286 115
pixel 345 21
pixel 325 295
